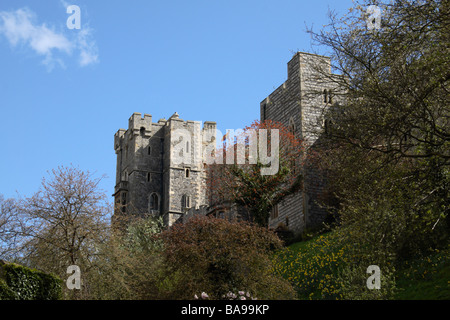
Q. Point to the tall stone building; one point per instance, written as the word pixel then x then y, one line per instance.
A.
pixel 300 103
pixel 149 180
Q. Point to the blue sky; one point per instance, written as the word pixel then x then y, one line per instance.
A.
pixel 65 92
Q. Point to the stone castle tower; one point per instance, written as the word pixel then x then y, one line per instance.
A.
pixel 148 179
pixel 299 103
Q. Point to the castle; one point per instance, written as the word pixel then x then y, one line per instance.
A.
pixel 149 180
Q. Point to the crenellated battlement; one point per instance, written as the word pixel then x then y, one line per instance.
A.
pixel 161 166
pixel 145 164
pixel 118 136
pixel 140 125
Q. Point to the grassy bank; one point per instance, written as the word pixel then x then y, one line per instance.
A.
pixel 312 267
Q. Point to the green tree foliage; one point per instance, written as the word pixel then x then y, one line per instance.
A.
pixel 387 146
pixel 395 79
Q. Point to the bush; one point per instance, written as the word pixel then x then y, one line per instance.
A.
pixel 50 287
pixel 5 292
pixel 129 265
pixel 21 283
pixel 218 256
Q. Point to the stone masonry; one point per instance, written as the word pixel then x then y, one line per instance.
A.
pixel 300 103
pixel 150 182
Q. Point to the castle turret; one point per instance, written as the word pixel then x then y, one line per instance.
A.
pixel 150 178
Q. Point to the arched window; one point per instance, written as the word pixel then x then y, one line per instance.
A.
pixel 154 201
pixel 185 202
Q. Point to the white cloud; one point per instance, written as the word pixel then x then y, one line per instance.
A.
pixel 87 46
pixel 19 28
pixel 65 4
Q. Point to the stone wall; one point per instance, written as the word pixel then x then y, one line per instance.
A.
pixel 146 153
pixel 299 103
pixel 146 165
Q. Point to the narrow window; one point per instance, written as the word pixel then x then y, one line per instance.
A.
pixel 149 177
pixel 188 172
pixel 154 202
pixel 274 213
pixel 325 96
pixel 185 202
pixel 149 150
pixel 330 97
pixel 291 125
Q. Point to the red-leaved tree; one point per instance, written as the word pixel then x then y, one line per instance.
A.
pixel 246 184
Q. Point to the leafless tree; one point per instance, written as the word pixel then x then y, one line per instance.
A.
pixel 64 222
pixel 9 229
